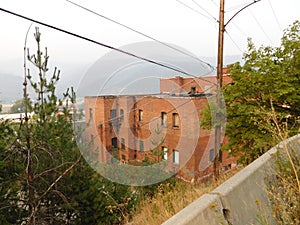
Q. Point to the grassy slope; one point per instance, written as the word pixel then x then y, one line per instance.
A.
pixel 171 200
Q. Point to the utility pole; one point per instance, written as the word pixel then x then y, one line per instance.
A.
pixel 219 117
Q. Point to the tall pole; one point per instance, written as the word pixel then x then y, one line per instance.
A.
pixel 218 116
pixel 219 113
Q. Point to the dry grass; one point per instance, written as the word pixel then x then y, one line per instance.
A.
pixel 284 192
pixel 169 200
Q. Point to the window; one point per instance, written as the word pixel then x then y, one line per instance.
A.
pixel 193 90
pixel 92 139
pixel 121 115
pixel 113 114
pixel 164 119
pixel 123 157
pixel 140 115
pixel 211 155
pixel 220 156
pixel 175 156
pixel 165 153
pixel 141 146
pixel 114 142
pixel 175 120
pixel 122 143
pixel 91 113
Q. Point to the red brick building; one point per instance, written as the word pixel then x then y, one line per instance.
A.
pixel 159 127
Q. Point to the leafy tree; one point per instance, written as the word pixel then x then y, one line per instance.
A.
pixel 264 92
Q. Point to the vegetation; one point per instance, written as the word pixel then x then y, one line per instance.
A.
pixel 268 81
pixel 171 197
pixel 284 191
pixel 43 178
pixel 263 109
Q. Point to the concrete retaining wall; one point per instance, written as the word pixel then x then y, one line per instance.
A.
pixel 242 199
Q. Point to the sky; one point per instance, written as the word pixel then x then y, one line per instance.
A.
pixel 193 28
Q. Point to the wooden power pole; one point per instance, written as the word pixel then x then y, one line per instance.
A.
pixel 219 116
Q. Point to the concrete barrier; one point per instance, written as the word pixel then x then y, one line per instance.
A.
pixel 241 200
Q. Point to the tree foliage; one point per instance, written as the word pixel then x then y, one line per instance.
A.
pixel 264 92
pixel 43 178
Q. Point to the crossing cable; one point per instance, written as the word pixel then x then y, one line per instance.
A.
pixel 276 18
pixel 196 11
pixel 255 1
pixel 104 45
pixel 214 3
pixel 260 26
pixel 205 10
pixel 236 45
pixel 138 32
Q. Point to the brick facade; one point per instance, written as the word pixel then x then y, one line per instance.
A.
pixel 162 127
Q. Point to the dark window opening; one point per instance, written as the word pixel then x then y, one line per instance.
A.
pixel 122 143
pixel 175 120
pixel 91 113
pixel 114 142
pixel 211 155
pixel 141 146
pixel 193 90
pixel 121 114
pixel 113 114
pixel 140 115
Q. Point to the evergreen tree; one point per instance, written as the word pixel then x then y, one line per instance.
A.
pixel 44 179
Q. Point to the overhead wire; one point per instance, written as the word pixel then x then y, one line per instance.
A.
pixel 205 10
pixel 276 18
pixel 236 7
pixel 260 26
pixel 214 3
pixel 103 45
pixel 196 11
pixel 236 45
pixel 241 31
pixel 136 31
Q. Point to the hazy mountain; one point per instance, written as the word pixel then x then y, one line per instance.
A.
pixel 10 88
pixel 116 73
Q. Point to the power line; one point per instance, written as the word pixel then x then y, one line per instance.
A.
pixel 234 24
pixel 205 10
pixel 236 45
pixel 104 45
pixel 138 32
pixel 214 3
pixel 276 18
pixel 236 7
pixel 196 11
pixel 260 26
pixel 258 23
